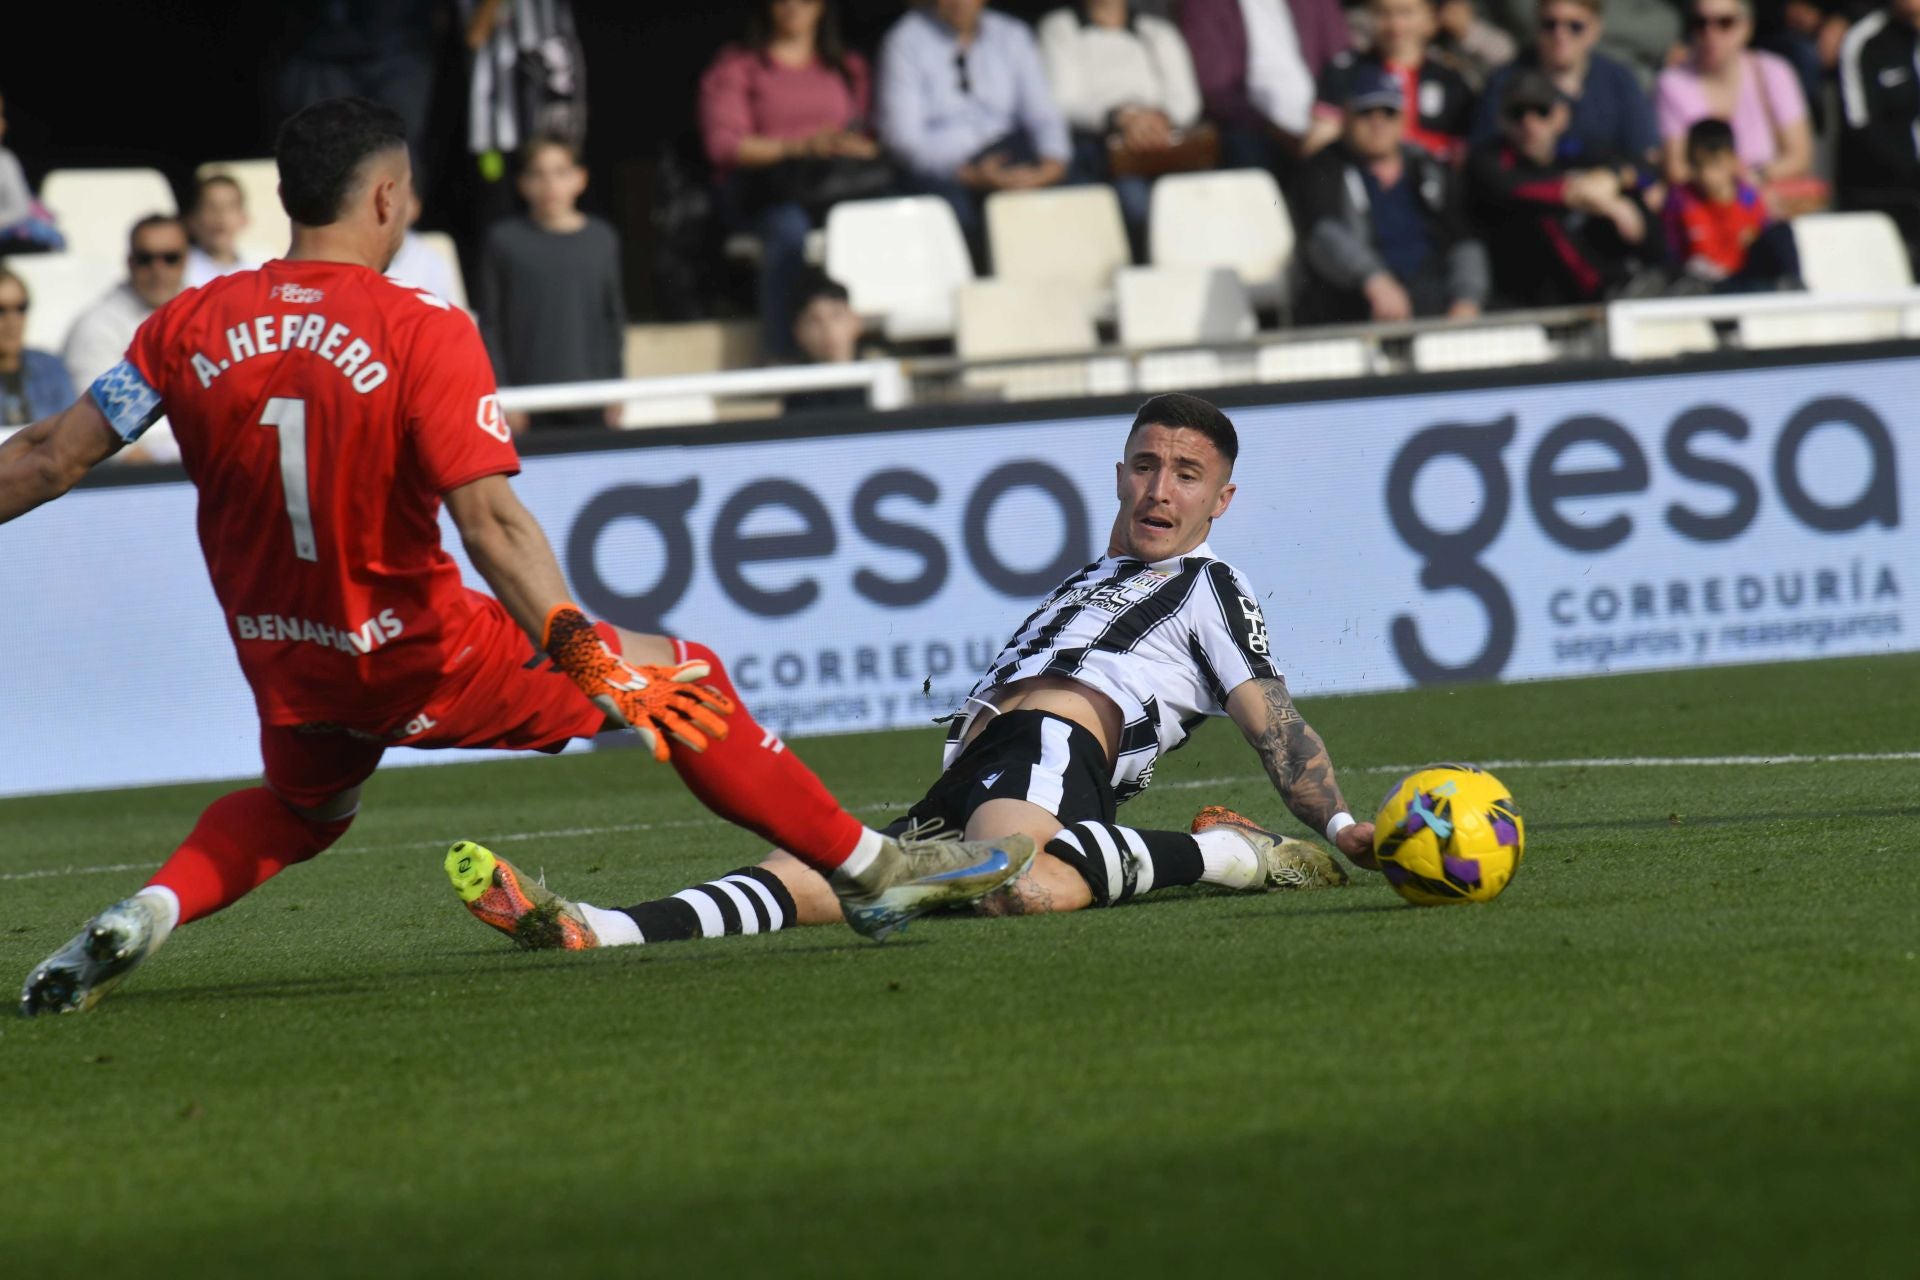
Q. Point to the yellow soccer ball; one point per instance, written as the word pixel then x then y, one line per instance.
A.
pixel 1449 833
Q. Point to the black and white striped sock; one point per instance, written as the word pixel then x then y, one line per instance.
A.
pixel 750 900
pixel 1119 863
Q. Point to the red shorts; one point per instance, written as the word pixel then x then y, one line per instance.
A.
pixel 509 697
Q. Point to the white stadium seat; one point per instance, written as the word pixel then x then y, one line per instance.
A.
pixel 96 208
pixel 668 411
pixel 1649 338
pixel 1316 358
pixel 268 231
pixel 1234 218
pixel 1490 347
pixel 900 261
pixel 1851 253
pixel 443 247
pixel 1183 370
pixel 1009 319
pixel 1182 306
pixel 1001 318
pixel 1773 329
pixel 1066 238
pixel 62 285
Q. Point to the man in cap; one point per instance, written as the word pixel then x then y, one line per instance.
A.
pixel 1384 230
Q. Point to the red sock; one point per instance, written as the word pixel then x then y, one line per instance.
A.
pixel 752 780
pixel 241 841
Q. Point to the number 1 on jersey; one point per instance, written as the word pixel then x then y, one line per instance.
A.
pixel 290 418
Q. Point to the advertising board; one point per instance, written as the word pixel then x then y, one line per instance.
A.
pixel 860 581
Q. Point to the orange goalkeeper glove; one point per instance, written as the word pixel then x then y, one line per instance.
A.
pixel 655 702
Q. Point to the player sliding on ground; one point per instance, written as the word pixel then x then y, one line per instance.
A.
pixel 1114 668
pixel 324 413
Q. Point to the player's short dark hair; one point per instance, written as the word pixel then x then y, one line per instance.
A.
pixel 1175 409
pixel 208 183
pixel 321 149
pixel 542 141
pixel 1709 137
pixel 151 221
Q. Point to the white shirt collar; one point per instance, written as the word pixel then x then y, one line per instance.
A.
pixel 1172 563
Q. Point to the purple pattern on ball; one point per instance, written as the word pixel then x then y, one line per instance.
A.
pixel 1416 820
pixel 1395 873
pixel 1504 831
pixel 1462 870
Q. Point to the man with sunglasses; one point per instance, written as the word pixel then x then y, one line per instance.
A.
pixel 1561 230
pixel 156 273
pixel 1385 235
pixel 1609 113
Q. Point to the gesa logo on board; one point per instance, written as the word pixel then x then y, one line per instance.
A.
pixel 814 534
pixel 1452 556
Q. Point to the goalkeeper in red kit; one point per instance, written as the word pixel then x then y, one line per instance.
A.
pixel 325 413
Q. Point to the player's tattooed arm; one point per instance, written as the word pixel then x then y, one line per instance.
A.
pixel 1297 761
pixel 1293 754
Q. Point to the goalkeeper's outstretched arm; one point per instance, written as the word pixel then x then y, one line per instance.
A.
pixel 511 552
pixel 43 461
pixel 1296 760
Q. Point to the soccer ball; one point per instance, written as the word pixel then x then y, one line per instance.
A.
pixel 1449 833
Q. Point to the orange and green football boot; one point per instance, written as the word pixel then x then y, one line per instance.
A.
pixel 500 895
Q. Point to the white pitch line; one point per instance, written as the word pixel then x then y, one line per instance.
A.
pixel 1591 762
pixel 1189 784
pixel 1665 762
pixel 557 833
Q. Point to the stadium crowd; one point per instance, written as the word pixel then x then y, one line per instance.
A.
pixel 1438 159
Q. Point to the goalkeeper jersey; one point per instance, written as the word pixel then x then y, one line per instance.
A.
pixel 321 411
pixel 1166 641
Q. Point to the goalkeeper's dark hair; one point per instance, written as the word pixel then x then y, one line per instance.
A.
pixel 322 150
pixel 1176 410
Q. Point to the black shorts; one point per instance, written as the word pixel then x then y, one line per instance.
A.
pixel 1023 755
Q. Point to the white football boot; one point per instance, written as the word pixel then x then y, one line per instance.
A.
pixel 76 977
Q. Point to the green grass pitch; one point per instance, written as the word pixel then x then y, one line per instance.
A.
pixel 1686 1040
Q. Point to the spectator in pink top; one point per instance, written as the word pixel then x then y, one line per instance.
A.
pixel 784 118
pixel 1754 91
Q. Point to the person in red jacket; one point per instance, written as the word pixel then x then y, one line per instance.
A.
pixel 1720 235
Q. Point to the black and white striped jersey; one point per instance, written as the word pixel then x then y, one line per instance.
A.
pixel 1167 642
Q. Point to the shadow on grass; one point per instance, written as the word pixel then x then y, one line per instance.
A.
pixel 386 981
pixel 373 982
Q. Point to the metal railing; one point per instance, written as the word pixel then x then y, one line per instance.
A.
pixel 884 381
pixel 1672 326
pixel 1646 329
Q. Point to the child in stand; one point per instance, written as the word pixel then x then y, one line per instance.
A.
pixel 1721 238
pixel 551 308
